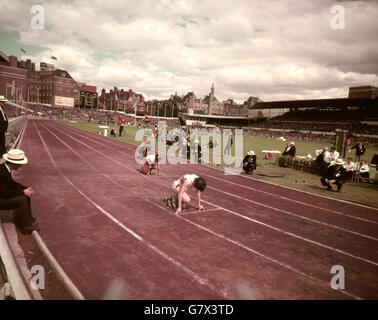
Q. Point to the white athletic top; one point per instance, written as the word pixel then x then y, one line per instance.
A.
pixel 189 177
pixel 151 159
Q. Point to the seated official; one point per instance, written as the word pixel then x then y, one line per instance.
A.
pixel 112 133
pixel 364 170
pixel 349 167
pixel 335 174
pixel 333 155
pixel 308 156
pixel 249 162
pixel 290 150
pixel 15 196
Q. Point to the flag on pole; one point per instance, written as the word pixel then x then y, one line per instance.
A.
pixel 23 50
pixel 55 58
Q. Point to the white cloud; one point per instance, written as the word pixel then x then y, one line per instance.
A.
pixel 276 49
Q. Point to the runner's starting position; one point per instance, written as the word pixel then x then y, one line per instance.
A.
pixel 180 188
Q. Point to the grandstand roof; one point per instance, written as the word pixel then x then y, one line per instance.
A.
pixel 317 103
pixel 211 116
pixel 3 56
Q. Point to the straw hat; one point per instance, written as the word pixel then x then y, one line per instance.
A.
pixel 16 156
pixel 251 153
pixel 339 161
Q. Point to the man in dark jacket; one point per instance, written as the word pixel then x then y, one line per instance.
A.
pixel 335 174
pixel 249 162
pixel 360 150
pixel 3 129
pixel 290 150
pixel 15 196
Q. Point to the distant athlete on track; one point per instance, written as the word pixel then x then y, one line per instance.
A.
pixel 152 162
pixel 180 188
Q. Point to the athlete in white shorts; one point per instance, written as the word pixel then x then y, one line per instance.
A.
pixel 181 187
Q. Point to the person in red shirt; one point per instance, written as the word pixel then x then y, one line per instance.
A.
pixel 122 126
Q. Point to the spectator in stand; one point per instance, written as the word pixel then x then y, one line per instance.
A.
pixel 364 170
pixel 335 174
pixel 349 167
pixel 360 150
pixel 15 196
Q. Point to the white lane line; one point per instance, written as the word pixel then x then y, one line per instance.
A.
pixel 233 241
pixel 310 193
pixel 296 215
pixel 254 220
pixel 85 160
pixel 282 264
pixel 188 271
pixel 199 212
pixel 270 259
pixel 294 235
pixel 88 134
pixel 289 199
pixel 251 178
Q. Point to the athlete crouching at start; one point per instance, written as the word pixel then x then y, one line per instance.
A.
pixel 180 188
pixel 152 162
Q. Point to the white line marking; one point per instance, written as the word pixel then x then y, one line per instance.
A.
pixel 199 212
pixel 81 157
pixel 310 193
pixel 282 264
pixel 232 241
pixel 251 178
pixel 294 235
pixel 289 199
pixel 296 215
pixel 191 273
pixel 257 221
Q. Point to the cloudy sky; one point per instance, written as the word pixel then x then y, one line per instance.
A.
pixel 275 50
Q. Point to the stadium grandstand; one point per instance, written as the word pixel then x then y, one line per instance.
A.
pixel 312 120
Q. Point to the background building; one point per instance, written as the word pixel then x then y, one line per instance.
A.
pixel 20 82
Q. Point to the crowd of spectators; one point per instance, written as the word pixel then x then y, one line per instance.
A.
pixel 308 125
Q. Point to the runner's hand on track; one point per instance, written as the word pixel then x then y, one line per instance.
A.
pixel 178 211
pixel 201 208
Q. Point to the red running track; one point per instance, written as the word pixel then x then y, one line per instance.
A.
pixel 102 219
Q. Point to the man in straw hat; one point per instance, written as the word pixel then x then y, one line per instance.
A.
pixel 335 174
pixel 15 196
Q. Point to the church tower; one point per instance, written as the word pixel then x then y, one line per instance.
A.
pixel 211 98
